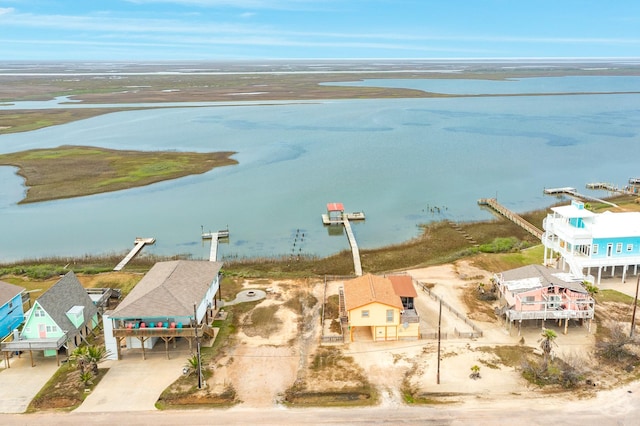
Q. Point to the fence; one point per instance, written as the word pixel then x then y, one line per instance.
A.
pixel 330 338
pixel 476 331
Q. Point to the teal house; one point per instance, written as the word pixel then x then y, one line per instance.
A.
pixel 589 242
pixel 61 318
pixel 11 313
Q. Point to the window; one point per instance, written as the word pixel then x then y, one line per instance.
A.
pixel 365 314
pixel 619 248
pixel 389 315
pixel 594 249
pixel 629 247
pixel 38 312
pixel 51 328
pixel 529 298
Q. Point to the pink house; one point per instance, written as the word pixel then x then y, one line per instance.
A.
pixel 536 292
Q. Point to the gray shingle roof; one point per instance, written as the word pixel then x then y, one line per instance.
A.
pixel 64 295
pixel 169 289
pixel 8 291
pixel 547 276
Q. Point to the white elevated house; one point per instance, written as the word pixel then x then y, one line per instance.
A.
pixel 586 240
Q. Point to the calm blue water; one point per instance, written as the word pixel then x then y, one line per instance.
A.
pixel 393 159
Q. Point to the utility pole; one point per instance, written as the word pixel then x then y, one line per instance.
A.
pixel 195 325
pixel 439 323
pixel 635 304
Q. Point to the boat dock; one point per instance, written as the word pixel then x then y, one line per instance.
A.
pixel 336 216
pixel 215 238
pixel 574 193
pixel 328 220
pixel 139 243
pixel 515 218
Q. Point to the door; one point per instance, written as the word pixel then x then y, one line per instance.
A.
pixel 42 331
pixel 609 250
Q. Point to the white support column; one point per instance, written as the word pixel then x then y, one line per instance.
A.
pixel 599 274
pixel 624 272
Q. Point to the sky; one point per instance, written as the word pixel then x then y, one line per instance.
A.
pixel 129 30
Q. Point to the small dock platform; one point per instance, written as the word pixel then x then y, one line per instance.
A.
pixel 574 193
pixel 139 243
pixel 327 220
pixel 215 238
pixel 515 218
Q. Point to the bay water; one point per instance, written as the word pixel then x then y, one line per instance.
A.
pixel 404 162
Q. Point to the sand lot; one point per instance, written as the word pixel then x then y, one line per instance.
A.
pixel 261 369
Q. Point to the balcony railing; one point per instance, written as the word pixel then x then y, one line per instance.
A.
pixel 409 316
pixel 161 332
pixel 10 345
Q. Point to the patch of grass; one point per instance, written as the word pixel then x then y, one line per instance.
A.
pixel 300 301
pixel 74 171
pixel 64 391
pixel 510 356
pixel 333 380
pixel 262 321
pixel 614 296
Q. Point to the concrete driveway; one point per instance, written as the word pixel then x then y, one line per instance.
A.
pixel 134 384
pixel 20 383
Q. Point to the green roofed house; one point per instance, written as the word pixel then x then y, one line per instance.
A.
pixel 61 317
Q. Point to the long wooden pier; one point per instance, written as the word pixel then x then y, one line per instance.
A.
pixel 139 243
pixel 357 265
pixel 493 204
pixel 574 193
pixel 215 238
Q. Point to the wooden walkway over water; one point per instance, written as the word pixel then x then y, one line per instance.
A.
pixel 357 266
pixel 139 243
pixel 493 204
pixel 574 193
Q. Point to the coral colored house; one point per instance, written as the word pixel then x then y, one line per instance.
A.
pixel 535 292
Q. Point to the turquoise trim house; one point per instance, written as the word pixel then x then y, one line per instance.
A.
pixel 11 311
pixel 585 240
pixel 61 317
pixel 175 299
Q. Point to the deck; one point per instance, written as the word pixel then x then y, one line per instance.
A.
pixel 357 266
pixel 139 244
pixel 493 204
pixel 215 238
pixel 337 221
pixel 574 193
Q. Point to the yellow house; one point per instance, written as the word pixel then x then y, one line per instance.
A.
pixel 370 301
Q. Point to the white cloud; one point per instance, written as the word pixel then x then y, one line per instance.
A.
pixel 6 10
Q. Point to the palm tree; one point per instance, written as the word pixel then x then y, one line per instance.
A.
pixel 192 363
pixel 95 355
pixel 88 357
pixel 475 372
pixel 79 357
pixel 546 344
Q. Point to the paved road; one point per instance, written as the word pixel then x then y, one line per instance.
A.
pixel 617 408
pixel 21 382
